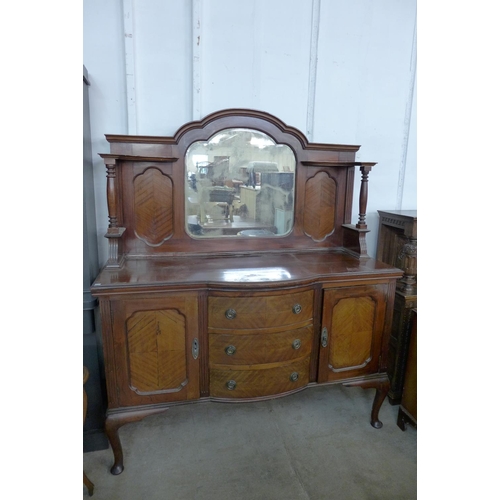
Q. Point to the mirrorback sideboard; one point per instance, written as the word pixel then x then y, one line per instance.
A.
pixel 234 271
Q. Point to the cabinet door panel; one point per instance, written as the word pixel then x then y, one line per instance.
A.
pixel 157 350
pixel 153 349
pixel 353 319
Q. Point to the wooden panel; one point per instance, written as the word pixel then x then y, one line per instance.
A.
pixel 157 350
pixel 409 398
pixel 259 312
pixel 354 320
pixel 153 207
pixel 352 331
pixel 259 382
pixel 255 349
pixel 319 212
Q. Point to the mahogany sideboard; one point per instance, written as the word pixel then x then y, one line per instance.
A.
pixel 206 298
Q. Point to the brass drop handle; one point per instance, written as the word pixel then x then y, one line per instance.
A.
pixel 231 385
pixel 230 350
pixel 230 314
pixel 296 344
pixel 296 308
pixel 294 376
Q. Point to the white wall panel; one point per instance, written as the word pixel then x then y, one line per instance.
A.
pixel 163 67
pixel 256 55
pixel 103 56
pixel 364 82
pixel 339 70
pixel 409 198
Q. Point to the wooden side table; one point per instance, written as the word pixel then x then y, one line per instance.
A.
pixel 397 246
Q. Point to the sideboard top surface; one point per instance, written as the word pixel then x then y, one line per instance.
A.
pixel 271 270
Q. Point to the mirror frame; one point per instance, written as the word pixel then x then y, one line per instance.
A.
pixel 243 186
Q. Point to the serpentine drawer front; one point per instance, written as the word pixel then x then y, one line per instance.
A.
pixel 258 348
pixel 251 312
pixel 260 380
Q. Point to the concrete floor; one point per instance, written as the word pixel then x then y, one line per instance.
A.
pixel 317 444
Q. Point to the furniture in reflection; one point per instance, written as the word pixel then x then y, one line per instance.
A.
pixel 397 246
pixel 220 198
pixel 407 413
pixel 86 481
pixel 234 228
pixel 248 198
pixel 187 319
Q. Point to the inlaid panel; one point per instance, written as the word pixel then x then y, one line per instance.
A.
pixel 153 207
pixel 319 206
pixel 157 350
pixel 352 332
pixel 259 312
pixel 252 383
pixel 255 349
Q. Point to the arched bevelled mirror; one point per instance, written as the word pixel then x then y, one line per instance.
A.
pixel 239 183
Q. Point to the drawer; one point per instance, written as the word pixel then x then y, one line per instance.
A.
pixel 233 383
pixel 230 349
pixel 252 312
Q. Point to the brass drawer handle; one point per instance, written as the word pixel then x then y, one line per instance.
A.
pixel 296 308
pixel 296 344
pixel 230 350
pixel 231 385
pixel 294 377
pixel 230 314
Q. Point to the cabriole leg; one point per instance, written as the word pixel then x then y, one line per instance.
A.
pixel 382 386
pixel 114 421
pixel 112 426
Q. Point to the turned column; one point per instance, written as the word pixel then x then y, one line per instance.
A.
pixel 365 168
pixel 115 232
pixel 111 192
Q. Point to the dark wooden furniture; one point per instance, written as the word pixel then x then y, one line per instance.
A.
pixel 407 413
pixel 86 481
pixel 94 436
pixel 236 318
pixel 397 246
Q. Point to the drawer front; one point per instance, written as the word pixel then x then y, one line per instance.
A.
pixel 252 312
pixel 252 349
pixel 227 383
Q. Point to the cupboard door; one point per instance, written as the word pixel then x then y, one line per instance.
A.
pixel 352 329
pixel 156 346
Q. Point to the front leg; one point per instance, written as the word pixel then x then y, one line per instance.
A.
pixel 113 423
pixel 382 386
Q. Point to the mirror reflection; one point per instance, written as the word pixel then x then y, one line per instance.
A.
pixel 240 183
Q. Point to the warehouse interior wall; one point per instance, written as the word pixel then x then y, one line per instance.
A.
pixel 341 71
